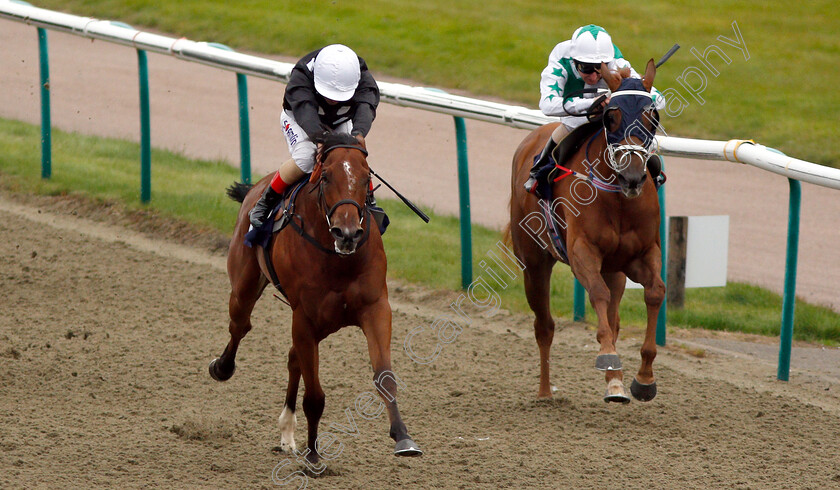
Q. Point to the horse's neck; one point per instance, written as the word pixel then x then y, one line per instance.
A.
pixel 592 161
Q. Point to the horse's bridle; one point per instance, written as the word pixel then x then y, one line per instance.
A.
pixel 625 152
pixel 330 210
pixel 362 209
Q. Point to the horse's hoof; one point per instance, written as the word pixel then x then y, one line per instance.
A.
pixel 217 373
pixel 608 362
pixel 643 392
pixel 407 447
pixel 616 393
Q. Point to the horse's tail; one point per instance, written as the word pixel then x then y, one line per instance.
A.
pixel 237 191
pixel 507 239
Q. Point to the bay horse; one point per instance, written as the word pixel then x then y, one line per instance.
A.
pixel 610 231
pixel 332 270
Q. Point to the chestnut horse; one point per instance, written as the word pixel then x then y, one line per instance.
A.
pixel 608 236
pixel 332 271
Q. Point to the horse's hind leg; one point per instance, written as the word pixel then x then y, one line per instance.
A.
pixel 247 285
pixel 537 290
pixel 376 325
pixel 288 419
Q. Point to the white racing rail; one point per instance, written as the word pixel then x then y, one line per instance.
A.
pixel 418 97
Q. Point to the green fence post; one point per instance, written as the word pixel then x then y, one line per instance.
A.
pixel 244 129
pixel 662 319
pixel 579 302
pixel 145 123
pixel 789 300
pixel 789 297
pixel 46 124
pixel 244 122
pixel 464 198
pixel 145 130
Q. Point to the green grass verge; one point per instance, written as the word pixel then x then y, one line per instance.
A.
pixel 428 254
pixel 777 96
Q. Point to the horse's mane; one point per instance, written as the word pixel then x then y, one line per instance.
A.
pixel 329 140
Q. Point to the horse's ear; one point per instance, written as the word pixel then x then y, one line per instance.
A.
pixel 613 79
pixel 316 173
pixel 650 72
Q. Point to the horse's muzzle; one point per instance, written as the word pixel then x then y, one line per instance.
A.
pixel 631 186
pixel 346 238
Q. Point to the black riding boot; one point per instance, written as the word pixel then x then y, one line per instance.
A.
pixel 267 201
pixel 654 166
pixel 382 220
pixel 542 160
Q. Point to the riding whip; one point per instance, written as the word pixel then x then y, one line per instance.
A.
pixel 408 203
pixel 668 55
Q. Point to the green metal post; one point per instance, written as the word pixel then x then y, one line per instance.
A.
pixel 789 299
pixel 244 122
pixel 662 319
pixel 46 125
pixel 145 130
pixel 464 197
pixel 244 129
pixel 580 302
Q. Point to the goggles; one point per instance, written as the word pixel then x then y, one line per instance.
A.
pixel 587 68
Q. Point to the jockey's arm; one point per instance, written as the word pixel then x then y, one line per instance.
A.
pixel 366 99
pixel 300 95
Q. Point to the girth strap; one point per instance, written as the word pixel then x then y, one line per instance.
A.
pixel 269 265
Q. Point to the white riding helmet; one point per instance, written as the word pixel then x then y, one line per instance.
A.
pixel 336 72
pixel 592 44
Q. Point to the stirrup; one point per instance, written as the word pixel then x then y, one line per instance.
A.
pixel 659 181
pixel 531 186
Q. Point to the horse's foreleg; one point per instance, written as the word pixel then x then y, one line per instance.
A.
pixel 306 351
pixel 376 325
pixel 646 272
pixel 288 419
pixel 616 282
pixel 247 285
pixel 587 268
pixel 537 290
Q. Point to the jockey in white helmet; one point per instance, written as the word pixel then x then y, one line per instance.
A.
pixel 331 88
pixel 575 65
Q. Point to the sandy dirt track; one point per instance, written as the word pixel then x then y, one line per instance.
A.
pixel 94 91
pixel 106 334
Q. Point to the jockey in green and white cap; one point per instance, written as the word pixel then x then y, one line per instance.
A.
pixel 575 65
